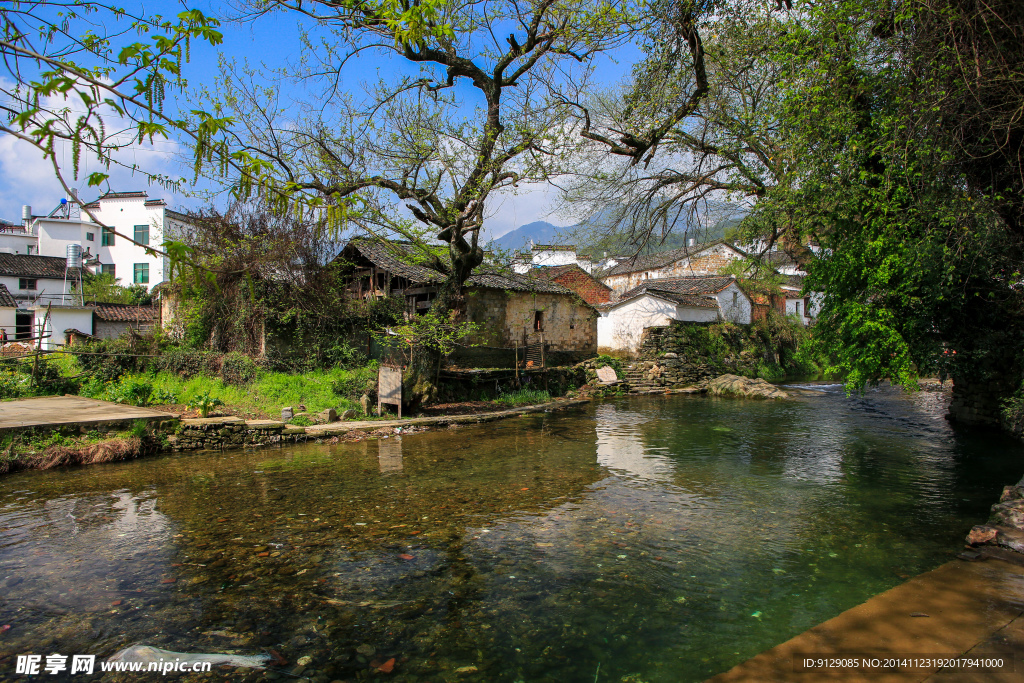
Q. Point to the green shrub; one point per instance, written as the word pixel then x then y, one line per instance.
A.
pixel 188 362
pixel 301 421
pixel 238 369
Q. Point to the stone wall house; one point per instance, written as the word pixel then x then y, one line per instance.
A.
pixel 700 259
pixel 658 303
pixel 110 321
pixel 590 289
pixel 513 311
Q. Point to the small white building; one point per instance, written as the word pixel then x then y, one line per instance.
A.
pixel 548 255
pixel 51 323
pixel 659 302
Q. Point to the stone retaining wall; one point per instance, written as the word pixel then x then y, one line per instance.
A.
pixel 217 433
pixel 668 359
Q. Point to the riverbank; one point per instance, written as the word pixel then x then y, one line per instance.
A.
pixel 42 433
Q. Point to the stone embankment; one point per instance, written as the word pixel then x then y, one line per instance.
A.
pixel 216 433
pixel 231 432
pixel 1005 527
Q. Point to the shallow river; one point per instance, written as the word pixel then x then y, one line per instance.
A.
pixel 641 539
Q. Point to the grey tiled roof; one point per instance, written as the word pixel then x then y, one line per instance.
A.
pixel 6 300
pixel 124 312
pixel 694 300
pixel 711 284
pixel 660 259
pixel 23 265
pixel 393 257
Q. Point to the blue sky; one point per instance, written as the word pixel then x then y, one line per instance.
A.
pixel 26 178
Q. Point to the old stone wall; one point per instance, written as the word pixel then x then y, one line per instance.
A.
pixel 568 326
pixel 220 433
pixel 678 355
pixel 979 401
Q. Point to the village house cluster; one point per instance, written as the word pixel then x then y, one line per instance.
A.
pixel 552 306
pixel 43 259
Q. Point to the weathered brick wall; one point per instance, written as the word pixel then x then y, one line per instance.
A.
pixel 589 289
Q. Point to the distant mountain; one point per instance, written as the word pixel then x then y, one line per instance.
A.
pixel 541 232
pixel 591 239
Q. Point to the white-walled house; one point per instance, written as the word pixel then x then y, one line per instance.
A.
pixel 657 303
pixel 548 255
pixel 147 221
pixel 33 279
pixel 51 323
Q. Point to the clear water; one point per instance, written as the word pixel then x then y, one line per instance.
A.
pixel 643 539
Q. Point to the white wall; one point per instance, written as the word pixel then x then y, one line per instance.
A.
pixel 554 257
pixel 694 314
pixel 51 290
pixel 18 243
pixel 124 214
pixel 734 305
pixel 7 321
pixel 620 328
pixel 56 234
pixel 61 318
pixel 798 309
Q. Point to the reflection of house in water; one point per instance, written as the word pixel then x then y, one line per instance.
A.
pixel 620 445
pixel 390 455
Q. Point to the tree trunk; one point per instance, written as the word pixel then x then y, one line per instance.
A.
pixel 420 380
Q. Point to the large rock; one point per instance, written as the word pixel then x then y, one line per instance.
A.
pixel 606 375
pixel 1010 513
pixel 734 385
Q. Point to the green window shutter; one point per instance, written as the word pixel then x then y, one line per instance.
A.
pixel 142 234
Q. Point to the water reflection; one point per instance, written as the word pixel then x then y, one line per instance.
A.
pixel 390 455
pixel 621 447
pixel 662 539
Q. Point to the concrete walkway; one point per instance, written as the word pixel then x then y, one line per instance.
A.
pixel 59 411
pixel 960 607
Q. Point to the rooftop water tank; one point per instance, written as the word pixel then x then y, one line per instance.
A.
pixel 26 212
pixel 74 256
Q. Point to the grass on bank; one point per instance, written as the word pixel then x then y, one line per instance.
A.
pixel 266 395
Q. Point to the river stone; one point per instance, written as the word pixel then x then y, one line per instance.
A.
pixel 981 534
pixel 366 650
pixel 347 415
pixel 364 403
pixel 733 385
pixel 287 413
pixel 1010 513
pixel 607 375
pixel 328 416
